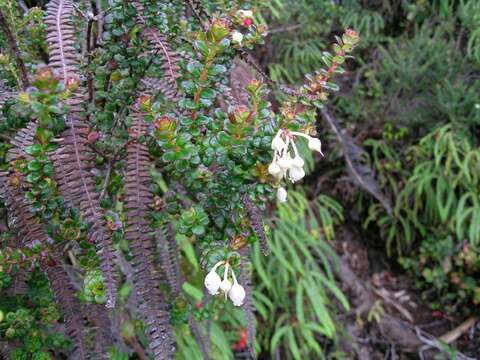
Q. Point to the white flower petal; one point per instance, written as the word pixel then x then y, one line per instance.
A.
pixel 296 173
pixel 285 162
pixel 237 294
pixel 212 282
pixel 298 161
pixel 315 144
pixel 226 285
pixel 237 37
pixel 278 144
pixel 274 169
pixel 282 194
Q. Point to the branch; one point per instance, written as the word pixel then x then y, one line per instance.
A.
pixel 100 16
pixel 15 51
pixel 361 173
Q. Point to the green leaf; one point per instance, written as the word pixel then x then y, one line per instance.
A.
pixel 193 291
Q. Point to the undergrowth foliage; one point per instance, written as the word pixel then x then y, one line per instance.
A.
pixel 132 164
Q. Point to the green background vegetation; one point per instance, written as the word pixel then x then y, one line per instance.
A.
pixel 410 99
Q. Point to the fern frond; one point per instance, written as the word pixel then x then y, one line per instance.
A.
pixel 153 307
pixel 97 316
pixel 5 94
pixel 168 252
pixel 168 85
pixel 23 138
pixel 29 229
pixel 256 216
pixel 69 306
pixel 60 38
pixel 73 178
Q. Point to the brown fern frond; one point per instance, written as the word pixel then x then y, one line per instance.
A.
pixel 60 39
pixel 97 316
pixel 71 160
pixel 26 224
pixel 168 252
pixel 5 94
pixel 29 230
pixel 168 85
pixel 255 216
pixel 153 307
pixel 69 306
pixel 23 138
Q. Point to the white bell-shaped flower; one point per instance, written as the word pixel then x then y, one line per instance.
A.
pixel 296 173
pixel 237 37
pixel 281 195
pixel 212 280
pixel 285 162
pixel 298 161
pixel 245 13
pixel 278 144
pixel 225 285
pixel 315 144
pixel 275 170
pixel 237 292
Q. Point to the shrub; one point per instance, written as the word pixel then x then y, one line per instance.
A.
pixel 133 147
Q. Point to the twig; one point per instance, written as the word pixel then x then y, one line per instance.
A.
pixel 137 348
pixel 454 334
pixel 285 29
pixel 15 51
pixel 100 16
pixel 107 180
pixel 430 342
pixel 197 14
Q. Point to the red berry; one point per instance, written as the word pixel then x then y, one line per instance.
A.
pixel 247 22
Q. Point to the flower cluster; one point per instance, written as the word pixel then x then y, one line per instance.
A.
pixel 284 165
pixel 213 283
pixel 248 33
